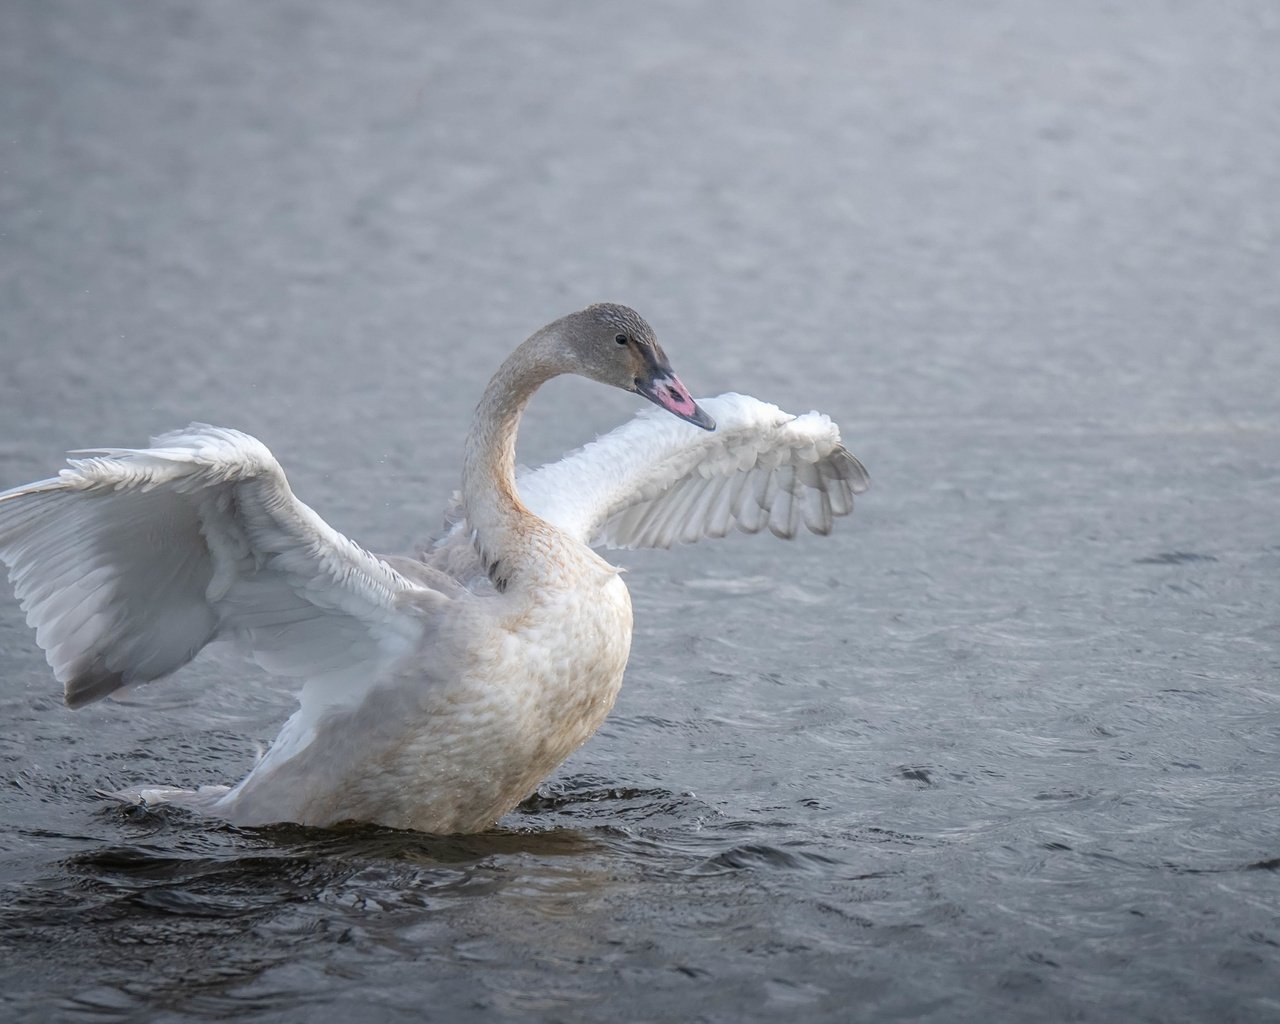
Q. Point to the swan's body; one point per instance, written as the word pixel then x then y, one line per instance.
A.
pixel 439 689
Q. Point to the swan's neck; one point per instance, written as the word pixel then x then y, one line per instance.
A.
pixel 504 529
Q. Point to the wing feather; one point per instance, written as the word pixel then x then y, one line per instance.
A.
pixel 131 560
pixel 782 522
pixel 656 481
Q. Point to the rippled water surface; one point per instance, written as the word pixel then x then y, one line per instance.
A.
pixel 1007 746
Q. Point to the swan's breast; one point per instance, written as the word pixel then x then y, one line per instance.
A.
pixel 538 693
pixel 564 656
pixel 536 688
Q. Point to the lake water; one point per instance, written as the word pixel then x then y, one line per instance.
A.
pixel 1005 747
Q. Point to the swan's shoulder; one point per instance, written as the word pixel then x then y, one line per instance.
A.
pixel 130 560
pixel 656 481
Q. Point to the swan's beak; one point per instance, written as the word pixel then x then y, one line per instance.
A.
pixel 664 388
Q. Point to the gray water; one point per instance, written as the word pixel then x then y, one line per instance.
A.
pixel 1005 747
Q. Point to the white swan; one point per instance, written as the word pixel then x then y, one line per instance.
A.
pixel 438 690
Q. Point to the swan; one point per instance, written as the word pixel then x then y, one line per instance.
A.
pixel 437 690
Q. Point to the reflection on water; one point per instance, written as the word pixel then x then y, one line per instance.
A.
pixel 198 915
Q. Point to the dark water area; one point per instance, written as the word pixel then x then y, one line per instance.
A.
pixel 1005 747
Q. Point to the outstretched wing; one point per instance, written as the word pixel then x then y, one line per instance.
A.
pixel 656 481
pixel 128 562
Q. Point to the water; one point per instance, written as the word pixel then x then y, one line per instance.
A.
pixel 1004 747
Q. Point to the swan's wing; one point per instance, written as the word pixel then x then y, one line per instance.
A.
pixel 656 481
pixel 127 563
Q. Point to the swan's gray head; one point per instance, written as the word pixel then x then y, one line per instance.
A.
pixel 615 345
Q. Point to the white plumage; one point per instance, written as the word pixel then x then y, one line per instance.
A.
pixel 127 563
pixel 438 690
pixel 652 483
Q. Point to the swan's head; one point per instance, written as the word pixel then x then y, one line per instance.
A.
pixel 615 345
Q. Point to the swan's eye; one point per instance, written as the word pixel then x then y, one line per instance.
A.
pixel 621 339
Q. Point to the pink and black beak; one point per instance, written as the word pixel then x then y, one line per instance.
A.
pixel 661 386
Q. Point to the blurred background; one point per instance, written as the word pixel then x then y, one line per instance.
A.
pixel 1005 744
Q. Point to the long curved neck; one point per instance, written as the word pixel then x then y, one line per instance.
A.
pixel 503 527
